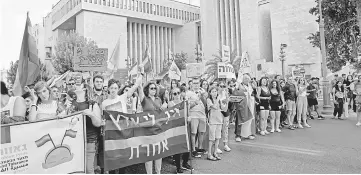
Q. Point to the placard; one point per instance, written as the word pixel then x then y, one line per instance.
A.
pixel 226 53
pixel 137 138
pixel 54 146
pixel 90 59
pixel 225 70
pixel 194 70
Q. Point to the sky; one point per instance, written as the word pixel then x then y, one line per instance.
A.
pixel 12 24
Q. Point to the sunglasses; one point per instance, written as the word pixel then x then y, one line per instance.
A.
pixel 222 86
pixel 153 88
pixel 232 86
pixel 176 93
pixel 71 84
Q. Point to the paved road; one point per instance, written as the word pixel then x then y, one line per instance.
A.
pixel 330 146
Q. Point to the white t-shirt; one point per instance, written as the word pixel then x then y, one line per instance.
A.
pixel 118 104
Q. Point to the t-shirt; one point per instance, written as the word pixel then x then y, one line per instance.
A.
pixel 312 94
pixel 215 115
pixel 290 92
pixel 118 104
pixel 197 111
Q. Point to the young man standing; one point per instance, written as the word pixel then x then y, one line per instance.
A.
pixel 312 89
pixel 290 93
pixel 197 117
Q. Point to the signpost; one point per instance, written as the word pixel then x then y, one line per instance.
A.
pixel 226 54
pixel 90 59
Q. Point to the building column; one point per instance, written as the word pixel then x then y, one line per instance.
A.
pixel 130 39
pixel 140 33
pixel 173 41
pixel 238 27
pixel 265 30
pixel 144 39
pixel 136 43
pixel 221 5
pixel 166 45
pixel 161 48
pixel 227 23
pixel 233 38
pixel 154 46
pixel 157 31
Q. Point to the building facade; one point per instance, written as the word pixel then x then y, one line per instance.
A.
pixel 259 27
pixel 162 26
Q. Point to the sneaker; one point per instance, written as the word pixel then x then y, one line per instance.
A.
pixel 272 131
pixel 180 171
pixel 219 151
pixel 358 124
pixel 311 117
pixel 321 118
pixel 227 149
pixel 306 125
pixel 262 133
pixel 238 139
pixel 300 126
pixel 278 130
pixel 187 166
pixel 201 151
pixel 196 154
pixel 291 128
pixel 266 132
pixel 251 137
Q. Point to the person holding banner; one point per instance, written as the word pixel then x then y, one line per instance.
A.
pixel 150 102
pixel 13 109
pixel 176 99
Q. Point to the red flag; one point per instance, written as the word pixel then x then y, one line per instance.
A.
pixel 29 63
pixel 147 63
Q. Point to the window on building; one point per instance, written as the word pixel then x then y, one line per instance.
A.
pixel 157 9
pixel 171 12
pixel 151 9
pixel 144 9
pixel 140 6
pixel 148 11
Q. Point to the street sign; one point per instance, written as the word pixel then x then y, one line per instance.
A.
pixel 226 54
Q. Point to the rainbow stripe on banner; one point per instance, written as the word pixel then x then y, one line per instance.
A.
pixel 137 138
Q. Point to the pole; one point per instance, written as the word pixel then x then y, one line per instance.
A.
pixel 326 84
pixel 283 68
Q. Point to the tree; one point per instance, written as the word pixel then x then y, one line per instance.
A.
pixel 212 65
pixel 11 73
pixel 342 33
pixel 64 50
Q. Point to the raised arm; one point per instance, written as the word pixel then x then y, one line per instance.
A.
pixel 135 87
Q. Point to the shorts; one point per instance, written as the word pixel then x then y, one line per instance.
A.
pixel 264 105
pixel 312 102
pixel 198 125
pixel 215 131
pixel 276 106
pixel 291 105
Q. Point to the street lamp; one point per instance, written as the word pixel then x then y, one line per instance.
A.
pixel 283 58
pixel 326 84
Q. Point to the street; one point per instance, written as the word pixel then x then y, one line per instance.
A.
pixel 330 146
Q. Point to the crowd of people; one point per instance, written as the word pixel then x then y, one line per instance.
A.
pixel 266 106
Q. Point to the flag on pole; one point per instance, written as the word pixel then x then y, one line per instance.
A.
pixel 133 71
pixel 60 80
pixel 174 72
pixel 114 62
pixel 147 61
pixel 29 62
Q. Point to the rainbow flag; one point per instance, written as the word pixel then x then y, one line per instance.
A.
pixel 137 138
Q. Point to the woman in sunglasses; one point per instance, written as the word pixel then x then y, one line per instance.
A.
pixel 176 99
pixel 150 102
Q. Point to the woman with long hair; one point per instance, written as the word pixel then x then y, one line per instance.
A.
pixel 215 121
pixel 150 102
pixel 277 104
pixel 339 99
pixel 264 95
pixel 176 99
pixel 116 102
pixel 44 106
pixel 302 104
pixel 13 109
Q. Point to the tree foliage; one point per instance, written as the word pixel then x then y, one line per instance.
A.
pixel 64 50
pixel 212 65
pixel 180 60
pixel 342 33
